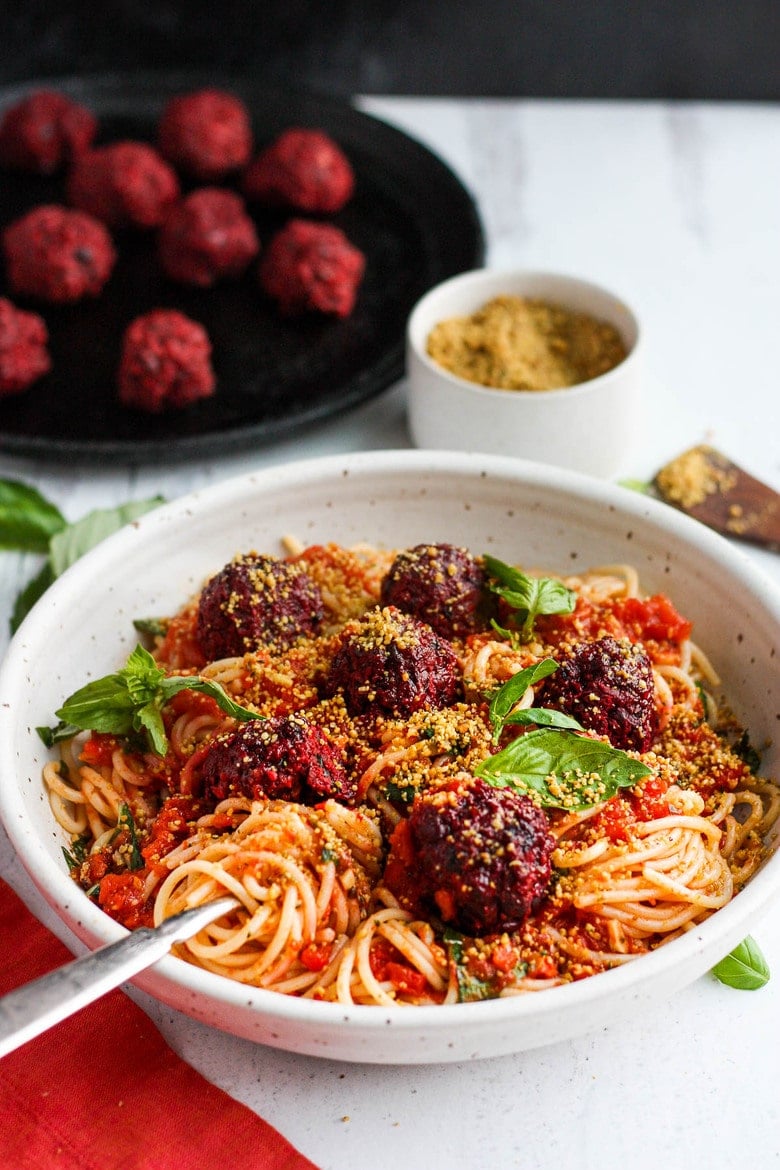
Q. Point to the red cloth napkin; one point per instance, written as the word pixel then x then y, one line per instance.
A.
pixel 103 1091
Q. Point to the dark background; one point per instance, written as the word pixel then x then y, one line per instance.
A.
pixel 716 49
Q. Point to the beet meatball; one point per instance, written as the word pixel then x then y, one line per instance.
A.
pixel 608 686
pixel 304 170
pixel 24 356
pixel 206 134
pixel 388 663
pixel 165 362
pixel 206 237
pixel 440 584
pixel 257 601
pixel 312 267
pixel 58 255
pixel 44 132
pixel 126 184
pixel 480 855
pixel 286 758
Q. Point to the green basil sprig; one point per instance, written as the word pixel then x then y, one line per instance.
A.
pixel 31 523
pixel 131 702
pixel 512 691
pixel 744 968
pixel 552 763
pixel 529 596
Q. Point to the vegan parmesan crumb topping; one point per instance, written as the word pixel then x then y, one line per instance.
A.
pixel 518 343
pixel 690 478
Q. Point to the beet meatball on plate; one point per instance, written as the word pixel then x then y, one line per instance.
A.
pixel 56 254
pixel 207 237
pixel 24 354
pixel 45 132
pixel 608 686
pixel 302 169
pixel 125 184
pixel 165 362
pixel 206 134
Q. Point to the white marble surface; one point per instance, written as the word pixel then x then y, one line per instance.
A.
pixel 675 207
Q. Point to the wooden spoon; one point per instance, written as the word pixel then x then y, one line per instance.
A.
pixel 709 487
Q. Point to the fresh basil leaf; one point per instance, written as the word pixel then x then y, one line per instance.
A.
pixel 562 770
pixel 637 485
pixel 513 690
pixel 149 719
pixel 152 627
pixel 744 968
pixel 206 686
pixel 543 717
pixel 126 821
pixel 102 705
pixel 68 545
pixel 503 632
pixel 32 591
pixel 530 596
pixel 53 735
pixel 27 519
pixel 470 988
pixel 747 753
pixel 142 676
pixel 78 852
pixel 132 700
pixel 30 523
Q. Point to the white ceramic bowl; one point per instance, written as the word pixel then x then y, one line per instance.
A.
pixel 83 628
pixel 591 427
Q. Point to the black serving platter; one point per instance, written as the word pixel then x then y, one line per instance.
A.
pixel 410 215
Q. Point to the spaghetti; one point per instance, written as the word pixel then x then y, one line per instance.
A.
pixel 309 815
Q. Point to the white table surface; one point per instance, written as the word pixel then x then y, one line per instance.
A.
pixel 677 207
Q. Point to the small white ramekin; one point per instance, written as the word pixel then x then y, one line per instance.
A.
pixel 591 427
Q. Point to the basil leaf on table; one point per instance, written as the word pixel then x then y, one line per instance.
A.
pixel 744 968
pixel 30 523
pixel 75 539
pixel 33 590
pixel 27 520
